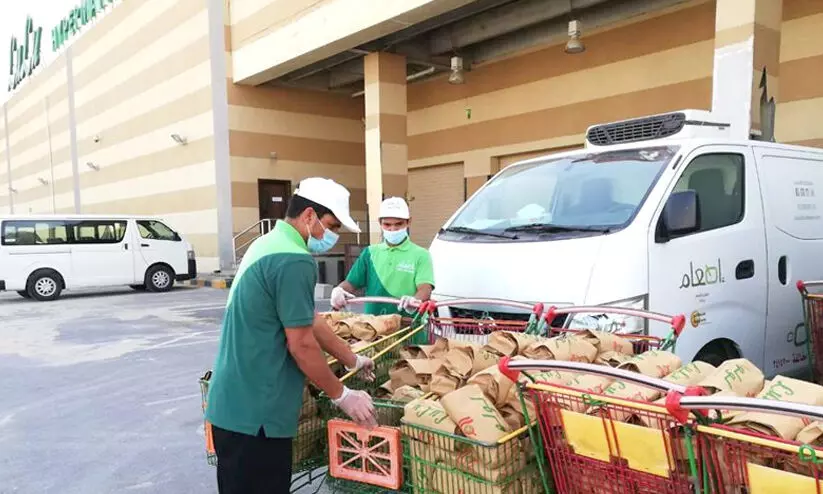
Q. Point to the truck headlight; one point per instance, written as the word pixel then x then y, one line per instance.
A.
pixel 614 323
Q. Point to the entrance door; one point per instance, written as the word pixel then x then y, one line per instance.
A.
pixel 717 275
pixel 274 198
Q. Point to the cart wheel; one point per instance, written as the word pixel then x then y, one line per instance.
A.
pixel 717 352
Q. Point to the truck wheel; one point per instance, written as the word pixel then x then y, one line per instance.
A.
pixel 23 294
pixel 159 279
pixel 44 285
pixel 717 352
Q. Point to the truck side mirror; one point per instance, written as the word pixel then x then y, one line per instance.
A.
pixel 681 215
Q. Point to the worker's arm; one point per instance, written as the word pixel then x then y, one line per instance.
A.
pixel 333 344
pixel 305 350
pixel 424 277
pixel 424 292
pixel 355 280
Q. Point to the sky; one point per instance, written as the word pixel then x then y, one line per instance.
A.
pixel 45 14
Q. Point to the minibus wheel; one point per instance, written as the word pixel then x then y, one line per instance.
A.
pixel 44 285
pixel 159 278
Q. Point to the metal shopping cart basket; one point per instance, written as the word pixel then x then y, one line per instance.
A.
pixel 813 317
pixel 596 443
pixel 477 330
pixel 309 448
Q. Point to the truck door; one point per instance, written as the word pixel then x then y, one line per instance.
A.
pixel 793 202
pixel 716 276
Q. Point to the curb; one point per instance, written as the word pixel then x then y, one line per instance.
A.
pixel 201 283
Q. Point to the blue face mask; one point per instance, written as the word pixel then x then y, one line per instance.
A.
pixel 395 237
pixel 324 244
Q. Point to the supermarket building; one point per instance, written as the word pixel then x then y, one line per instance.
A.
pixel 209 112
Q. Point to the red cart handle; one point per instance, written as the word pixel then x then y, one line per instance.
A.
pixel 677 322
pixel 803 286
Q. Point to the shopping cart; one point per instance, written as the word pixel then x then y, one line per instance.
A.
pixel 738 462
pixel 596 443
pixel 478 330
pixel 309 447
pixel 813 317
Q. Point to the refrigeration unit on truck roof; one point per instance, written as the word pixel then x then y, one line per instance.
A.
pixel 684 124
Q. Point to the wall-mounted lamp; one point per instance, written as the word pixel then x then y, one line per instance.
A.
pixel 42 180
pixel 12 190
pixel 97 138
pixel 93 166
pixel 273 155
pixel 179 139
pixel 456 75
pixel 574 45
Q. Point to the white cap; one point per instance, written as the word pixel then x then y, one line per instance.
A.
pixel 394 207
pixel 330 194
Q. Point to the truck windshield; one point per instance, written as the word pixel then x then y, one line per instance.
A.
pixel 591 192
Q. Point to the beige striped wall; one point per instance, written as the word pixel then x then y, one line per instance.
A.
pixel 800 98
pixel 313 134
pixel 140 74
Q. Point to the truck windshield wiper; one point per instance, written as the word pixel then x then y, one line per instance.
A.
pixel 472 231
pixel 549 228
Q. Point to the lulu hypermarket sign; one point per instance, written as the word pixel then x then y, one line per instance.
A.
pixel 25 53
pixel 77 18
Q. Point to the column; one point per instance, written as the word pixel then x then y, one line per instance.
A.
pixel 746 41
pixel 386 148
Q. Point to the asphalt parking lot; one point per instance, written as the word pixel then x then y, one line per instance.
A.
pixel 99 391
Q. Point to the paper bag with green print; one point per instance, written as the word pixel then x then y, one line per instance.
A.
pixel 475 414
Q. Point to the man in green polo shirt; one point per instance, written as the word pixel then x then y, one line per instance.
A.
pixel 397 267
pixel 272 339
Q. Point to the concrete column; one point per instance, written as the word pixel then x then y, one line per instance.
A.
pixel 387 168
pixel 746 41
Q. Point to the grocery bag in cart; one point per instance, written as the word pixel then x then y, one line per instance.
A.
pixel 598 428
pixel 811 293
pixel 309 450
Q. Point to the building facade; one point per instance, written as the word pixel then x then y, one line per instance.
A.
pixel 209 112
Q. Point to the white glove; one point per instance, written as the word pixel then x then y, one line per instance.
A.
pixel 365 365
pixel 358 406
pixel 408 303
pixel 339 298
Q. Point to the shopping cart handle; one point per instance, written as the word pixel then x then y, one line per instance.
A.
pixel 704 403
pixel 677 322
pixel 511 369
pixel 485 301
pixel 373 300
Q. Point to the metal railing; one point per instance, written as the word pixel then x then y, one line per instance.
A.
pixel 241 241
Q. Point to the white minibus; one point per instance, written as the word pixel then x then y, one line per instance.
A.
pixel 666 213
pixel 40 256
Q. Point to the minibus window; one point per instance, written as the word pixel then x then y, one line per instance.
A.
pixel 97 231
pixel 155 230
pixel 588 191
pixel 34 232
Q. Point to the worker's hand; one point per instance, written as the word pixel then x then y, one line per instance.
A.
pixel 408 303
pixel 339 298
pixel 366 367
pixel 358 406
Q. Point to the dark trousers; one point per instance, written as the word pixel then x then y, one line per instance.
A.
pixel 252 464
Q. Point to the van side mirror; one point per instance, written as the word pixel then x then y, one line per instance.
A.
pixel 681 216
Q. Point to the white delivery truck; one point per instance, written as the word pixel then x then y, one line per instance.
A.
pixel 664 213
pixel 42 255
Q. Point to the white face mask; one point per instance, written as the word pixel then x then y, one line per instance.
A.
pixel 395 237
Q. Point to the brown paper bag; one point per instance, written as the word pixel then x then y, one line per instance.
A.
pixel 358 346
pixel 653 363
pixel 812 434
pixel 405 394
pixel 473 460
pixel 333 317
pixel 612 358
pixel 475 415
pixel 413 372
pixel 509 343
pixel 557 378
pixel 631 391
pixel 564 347
pixel 432 415
pixel 783 389
pixel 385 391
pixel 418 351
pixel 469 359
pixel 343 327
pixel 369 328
pixel 309 407
pixel 494 384
pixel 606 342
pixel 443 382
pixel 738 376
pixel 690 374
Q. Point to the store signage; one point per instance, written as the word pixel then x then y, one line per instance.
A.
pixel 78 17
pixel 24 55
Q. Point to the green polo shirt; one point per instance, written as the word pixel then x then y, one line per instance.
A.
pixel 255 381
pixel 391 271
